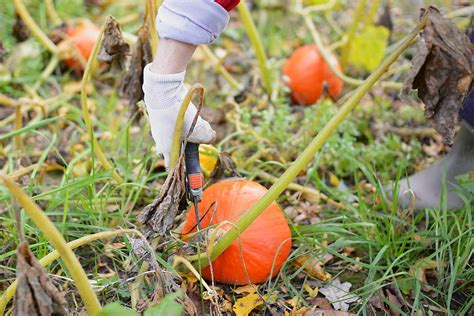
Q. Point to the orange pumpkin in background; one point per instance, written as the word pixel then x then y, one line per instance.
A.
pixel 265 244
pixel 305 73
pixel 83 36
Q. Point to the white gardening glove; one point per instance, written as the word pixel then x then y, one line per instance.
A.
pixel 163 95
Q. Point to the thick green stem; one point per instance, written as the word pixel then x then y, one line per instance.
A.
pixel 324 52
pixel 150 12
pixel 257 44
pixel 302 161
pixel 34 28
pixel 178 130
pixel 55 255
pixel 85 108
pixel 52 14
pixel 73 265
pixel 219 68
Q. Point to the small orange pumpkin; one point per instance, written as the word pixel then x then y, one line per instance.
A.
pixel 264 246
pixel 83 36
pixel 305 73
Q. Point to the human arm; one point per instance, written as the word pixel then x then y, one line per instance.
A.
pixel 182 25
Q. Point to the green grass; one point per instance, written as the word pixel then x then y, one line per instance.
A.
pixel 83 199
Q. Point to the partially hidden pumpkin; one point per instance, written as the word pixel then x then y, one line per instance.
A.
pixel 83 37
pixel 306 72
pixel 263 247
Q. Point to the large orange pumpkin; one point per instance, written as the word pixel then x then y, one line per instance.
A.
pixel 265 244
pixel 305 73
pixel 83 36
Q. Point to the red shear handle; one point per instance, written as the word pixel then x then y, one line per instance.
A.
pixel 228 4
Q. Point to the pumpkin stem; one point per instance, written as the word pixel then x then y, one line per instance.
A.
pixel 325 54
pixel 34 28
pixel 176 145
pixel 85 109
pixel 73 265
pixel 257 44
pixel 219 68
pixel 308 154
pixel 55 255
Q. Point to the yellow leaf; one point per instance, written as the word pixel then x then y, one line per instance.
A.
pixel 312 293
pixel 315 2
pixel 368 48
pixel 249 289
pixel 243 306
pixel 312 266
pixel 293 302
pixel 208 158
pixel 334 180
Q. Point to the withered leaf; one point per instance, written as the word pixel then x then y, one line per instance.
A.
pixel 312 266
pixel 158 217
pixel 141 56
pixel 114 49
pixel 225 168
pixel 2 52
pixel 442 72
pixel 35 294
pixel 20 32
pixel 385 18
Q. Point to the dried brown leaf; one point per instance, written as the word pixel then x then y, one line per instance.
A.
pixel 442 71
pixel 386 18
pixel 158 217
pixel 141 56
pixel 114 49
pixel 2 52
pixel 20 32
pixel 225 168
pixel 35 294
pixel 312 266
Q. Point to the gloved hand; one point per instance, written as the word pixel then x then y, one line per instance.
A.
pixel 163 95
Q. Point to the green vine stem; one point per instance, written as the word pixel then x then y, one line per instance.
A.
pixel 41 220
pixel 369 19
pixel 349 80
pixel 52 14
pixel 85 109
pixel 18 126
pixel 257 44
pixel 358 16
pixel 302 161
pixel 176 145
pixel 55 255
pixel 34 28
pixel 150 13
pixel 219 68
pixel 53 63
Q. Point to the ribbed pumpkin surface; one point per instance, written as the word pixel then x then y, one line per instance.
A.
pixel 83 36
pixel 264 244
pixel 306 72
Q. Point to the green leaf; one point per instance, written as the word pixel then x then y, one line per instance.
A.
pixel 115 309
pixel 168 306
pixel 368 48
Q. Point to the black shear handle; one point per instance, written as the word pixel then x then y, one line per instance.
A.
pixel 191 159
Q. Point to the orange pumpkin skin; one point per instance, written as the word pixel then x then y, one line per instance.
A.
pixel 305 73
pixel 265 244
pixel 83 37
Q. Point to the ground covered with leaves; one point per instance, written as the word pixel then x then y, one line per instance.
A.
pixel 354 250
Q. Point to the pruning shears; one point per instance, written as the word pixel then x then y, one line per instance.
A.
pixel 194 178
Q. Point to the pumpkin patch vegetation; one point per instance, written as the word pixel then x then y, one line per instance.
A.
pixel 309 77
pixel 261 250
